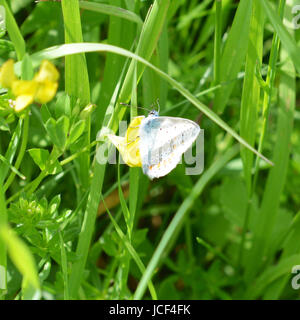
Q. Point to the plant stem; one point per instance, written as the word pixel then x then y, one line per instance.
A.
pixel 21 152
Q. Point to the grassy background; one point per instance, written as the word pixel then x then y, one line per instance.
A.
pixel 78 229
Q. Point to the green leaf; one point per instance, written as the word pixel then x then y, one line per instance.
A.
pixel 76 131
pixel 233 197
pixel 58 131
pixel 50 126
pixel 45 113
pixel 108 245
pixel 20 255
pixel 41 158
pixel 27 68
pixel 62 125
pixel 63 106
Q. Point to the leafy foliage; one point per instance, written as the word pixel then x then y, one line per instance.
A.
pixel 93 231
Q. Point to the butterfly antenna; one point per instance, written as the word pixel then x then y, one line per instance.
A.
pixel 128 105
pixel 157 101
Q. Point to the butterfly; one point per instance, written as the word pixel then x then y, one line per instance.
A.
pixel 156 143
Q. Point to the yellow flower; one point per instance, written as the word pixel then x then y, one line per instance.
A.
pixel 7 75
pixel 41 89
pixel 128 146
pixel 24 91
pixel 46 91
pixel 46 78
pixel 47 72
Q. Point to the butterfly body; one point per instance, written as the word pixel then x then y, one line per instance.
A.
pixel 162 141
pixel 156 143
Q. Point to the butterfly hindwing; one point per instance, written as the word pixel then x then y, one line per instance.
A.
pixel 163 140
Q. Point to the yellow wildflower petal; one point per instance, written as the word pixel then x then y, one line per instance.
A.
pixel 118 142
pixel 133 129
pixel 132 141
pixel 46 91
pixel 24 87
pixel 7 75
pixel 129 151
pixel 47 72
pixel 22 102
pixel 132 155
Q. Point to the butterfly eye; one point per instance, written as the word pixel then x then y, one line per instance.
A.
pixel 153 113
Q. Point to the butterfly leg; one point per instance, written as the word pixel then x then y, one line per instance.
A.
pixel 132 140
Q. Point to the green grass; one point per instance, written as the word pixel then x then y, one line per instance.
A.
pixel 88 230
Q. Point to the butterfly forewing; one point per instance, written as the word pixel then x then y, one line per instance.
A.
pixel 163 140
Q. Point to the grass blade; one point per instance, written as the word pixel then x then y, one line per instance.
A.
pixel 277 175
pixel 268 92
pixel 20 255
pixel 76 77
pixel 234 53
pixel 14 32
pixel 111 10
pixel 286 39
pixel 120 33
pixel 12 168
pixel 251 89
pixel 60 51
pixel 179 217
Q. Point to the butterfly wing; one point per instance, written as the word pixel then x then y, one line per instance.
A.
pixel 163 140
